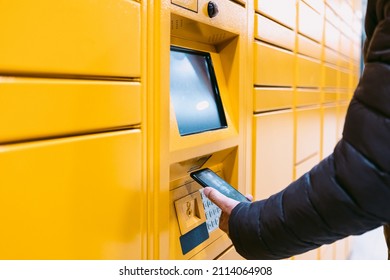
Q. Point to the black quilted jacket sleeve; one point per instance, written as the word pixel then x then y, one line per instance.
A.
pixel 347 193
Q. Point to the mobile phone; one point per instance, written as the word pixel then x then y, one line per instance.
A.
pixel 208 178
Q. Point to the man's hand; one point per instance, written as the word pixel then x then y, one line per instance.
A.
pixel 225 203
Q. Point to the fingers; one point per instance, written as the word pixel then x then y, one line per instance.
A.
pixel 225 203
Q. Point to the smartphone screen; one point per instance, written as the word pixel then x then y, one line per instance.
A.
pixel 208 178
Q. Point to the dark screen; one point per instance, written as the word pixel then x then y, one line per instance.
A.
pixel 194 92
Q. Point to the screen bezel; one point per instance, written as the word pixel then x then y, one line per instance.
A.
pixel 214 86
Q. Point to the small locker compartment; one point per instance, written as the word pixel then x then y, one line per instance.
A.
pixel 273 66
pixel 36 108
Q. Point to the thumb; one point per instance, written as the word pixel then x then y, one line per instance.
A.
pixel 225 203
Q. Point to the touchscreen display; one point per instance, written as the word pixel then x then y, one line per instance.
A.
pixel 194 92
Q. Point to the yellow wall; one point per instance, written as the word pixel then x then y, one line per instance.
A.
pixel 90 158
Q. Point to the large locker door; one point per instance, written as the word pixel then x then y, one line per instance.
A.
pixel 274 150
pixel 73 198
pixel 72 37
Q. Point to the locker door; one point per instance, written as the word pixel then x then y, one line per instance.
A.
pixel 73 37
pixel 73 198
pixel 33 108
pixel 308 133
pixel 273 66
pixel 273 161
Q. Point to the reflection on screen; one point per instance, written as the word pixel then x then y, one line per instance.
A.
pixel 194 92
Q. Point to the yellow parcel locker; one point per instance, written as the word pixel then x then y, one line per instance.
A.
pixel 307 97
pixel 331 56
pixel 317 5
pixel 330 96
pixel 344 79
pixel 332 36
pixel 331 76
pixel 272 98
pixel 273 66
pixel 309 47
pixel 274 33
pixel 273 152
pixel 73 198
pixel 71 37
pixel 272 9
pixel 308 133
pixel 309 72
pixel 310 22
pixel 36 108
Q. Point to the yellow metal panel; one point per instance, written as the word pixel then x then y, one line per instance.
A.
pixel 310 22
pixel 308 133
pixel 345 45
pixel 273 66
pixel 345 61
pixel 326 252
pixel 306 165
pixel 331 56
pixel 330 96
pixel 355 80
pixel 71 37
pixel 341 249
pixel 317 5
pixel 346 14
pixel 271 31
pixel 272 9
pixel 187 4
pixel 266 99
pixel 332 36
pixel 344 95
pixel 309 47
pixel 305 97
pixel 330 76
pixel 329 130
pixel 309 72
pixel 344 79
pixel 35 108
pixel 331 9
pixel 189 25
pixel 73 198
pixel 273 152
pixel 310 255
pixel 357 24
